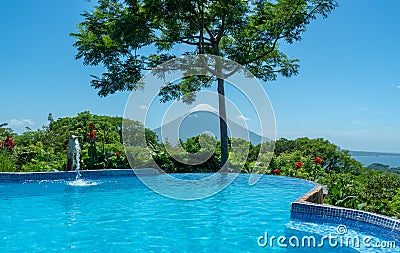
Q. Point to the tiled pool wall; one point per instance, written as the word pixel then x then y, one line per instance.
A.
pixel 309 208
pixel 70 175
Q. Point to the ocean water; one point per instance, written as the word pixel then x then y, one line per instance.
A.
pixel 392 161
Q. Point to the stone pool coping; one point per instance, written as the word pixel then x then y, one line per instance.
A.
pixel 309 208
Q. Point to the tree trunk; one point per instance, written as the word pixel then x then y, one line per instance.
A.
pixel 222 124
pixel 222 111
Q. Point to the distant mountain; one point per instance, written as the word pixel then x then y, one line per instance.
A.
pixel 203 121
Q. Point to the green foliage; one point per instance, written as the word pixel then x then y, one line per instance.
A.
pixel 7 161
pixel 348 183
pixel 378 192
pixel 122 35
pixel 286 163
pixel 203 151
pixel 395 205
pixel 45 149
pixel 342 189
pixel 333 157
pixel 249 33
pixel 38 157
pixel 5 131
pixel 238 155
pixel 369 191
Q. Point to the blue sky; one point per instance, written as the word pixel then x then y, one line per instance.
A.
pixel 348 88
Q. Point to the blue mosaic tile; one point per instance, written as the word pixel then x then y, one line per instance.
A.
pixel 94 174
pixel 372 229
pixel 88 174
pixel 320 213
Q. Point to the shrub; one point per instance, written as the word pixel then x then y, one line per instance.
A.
pixel 7 162
pixel 379 192
pixel 395 205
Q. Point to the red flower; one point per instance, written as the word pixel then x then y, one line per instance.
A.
pixel 92 135
pixel 277 171
pixel 118 154
pixel 318 159
pixel 8 143
pixel 91 126
pixel 298 165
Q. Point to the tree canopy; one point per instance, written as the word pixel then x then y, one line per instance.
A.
pixel 129 37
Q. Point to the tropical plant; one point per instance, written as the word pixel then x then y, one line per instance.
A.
pixel 7 161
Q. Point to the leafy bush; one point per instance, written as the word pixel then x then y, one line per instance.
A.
pixel 7 162
pixel 378 192
pixel 342 188
pixel 333 157
pixel 395 205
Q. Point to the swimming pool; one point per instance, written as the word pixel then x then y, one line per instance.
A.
pixel 120 214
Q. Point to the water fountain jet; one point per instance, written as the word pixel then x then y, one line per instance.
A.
pixel 74 146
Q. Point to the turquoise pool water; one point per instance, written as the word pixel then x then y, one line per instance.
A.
pixel 123 215
pixel 120 214
pixel 347 239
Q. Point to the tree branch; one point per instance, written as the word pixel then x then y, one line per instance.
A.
pixel 277 38
pixel 221 31
pixel 265 53
pixel 210 33
pixel 182 40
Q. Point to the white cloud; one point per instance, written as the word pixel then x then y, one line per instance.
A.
pixel 15 122
pixel 28 121
pixel 204 107
pixel 242 117
pixel 398 86
pixel 143 107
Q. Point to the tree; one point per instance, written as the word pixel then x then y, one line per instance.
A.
pixel 118 34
